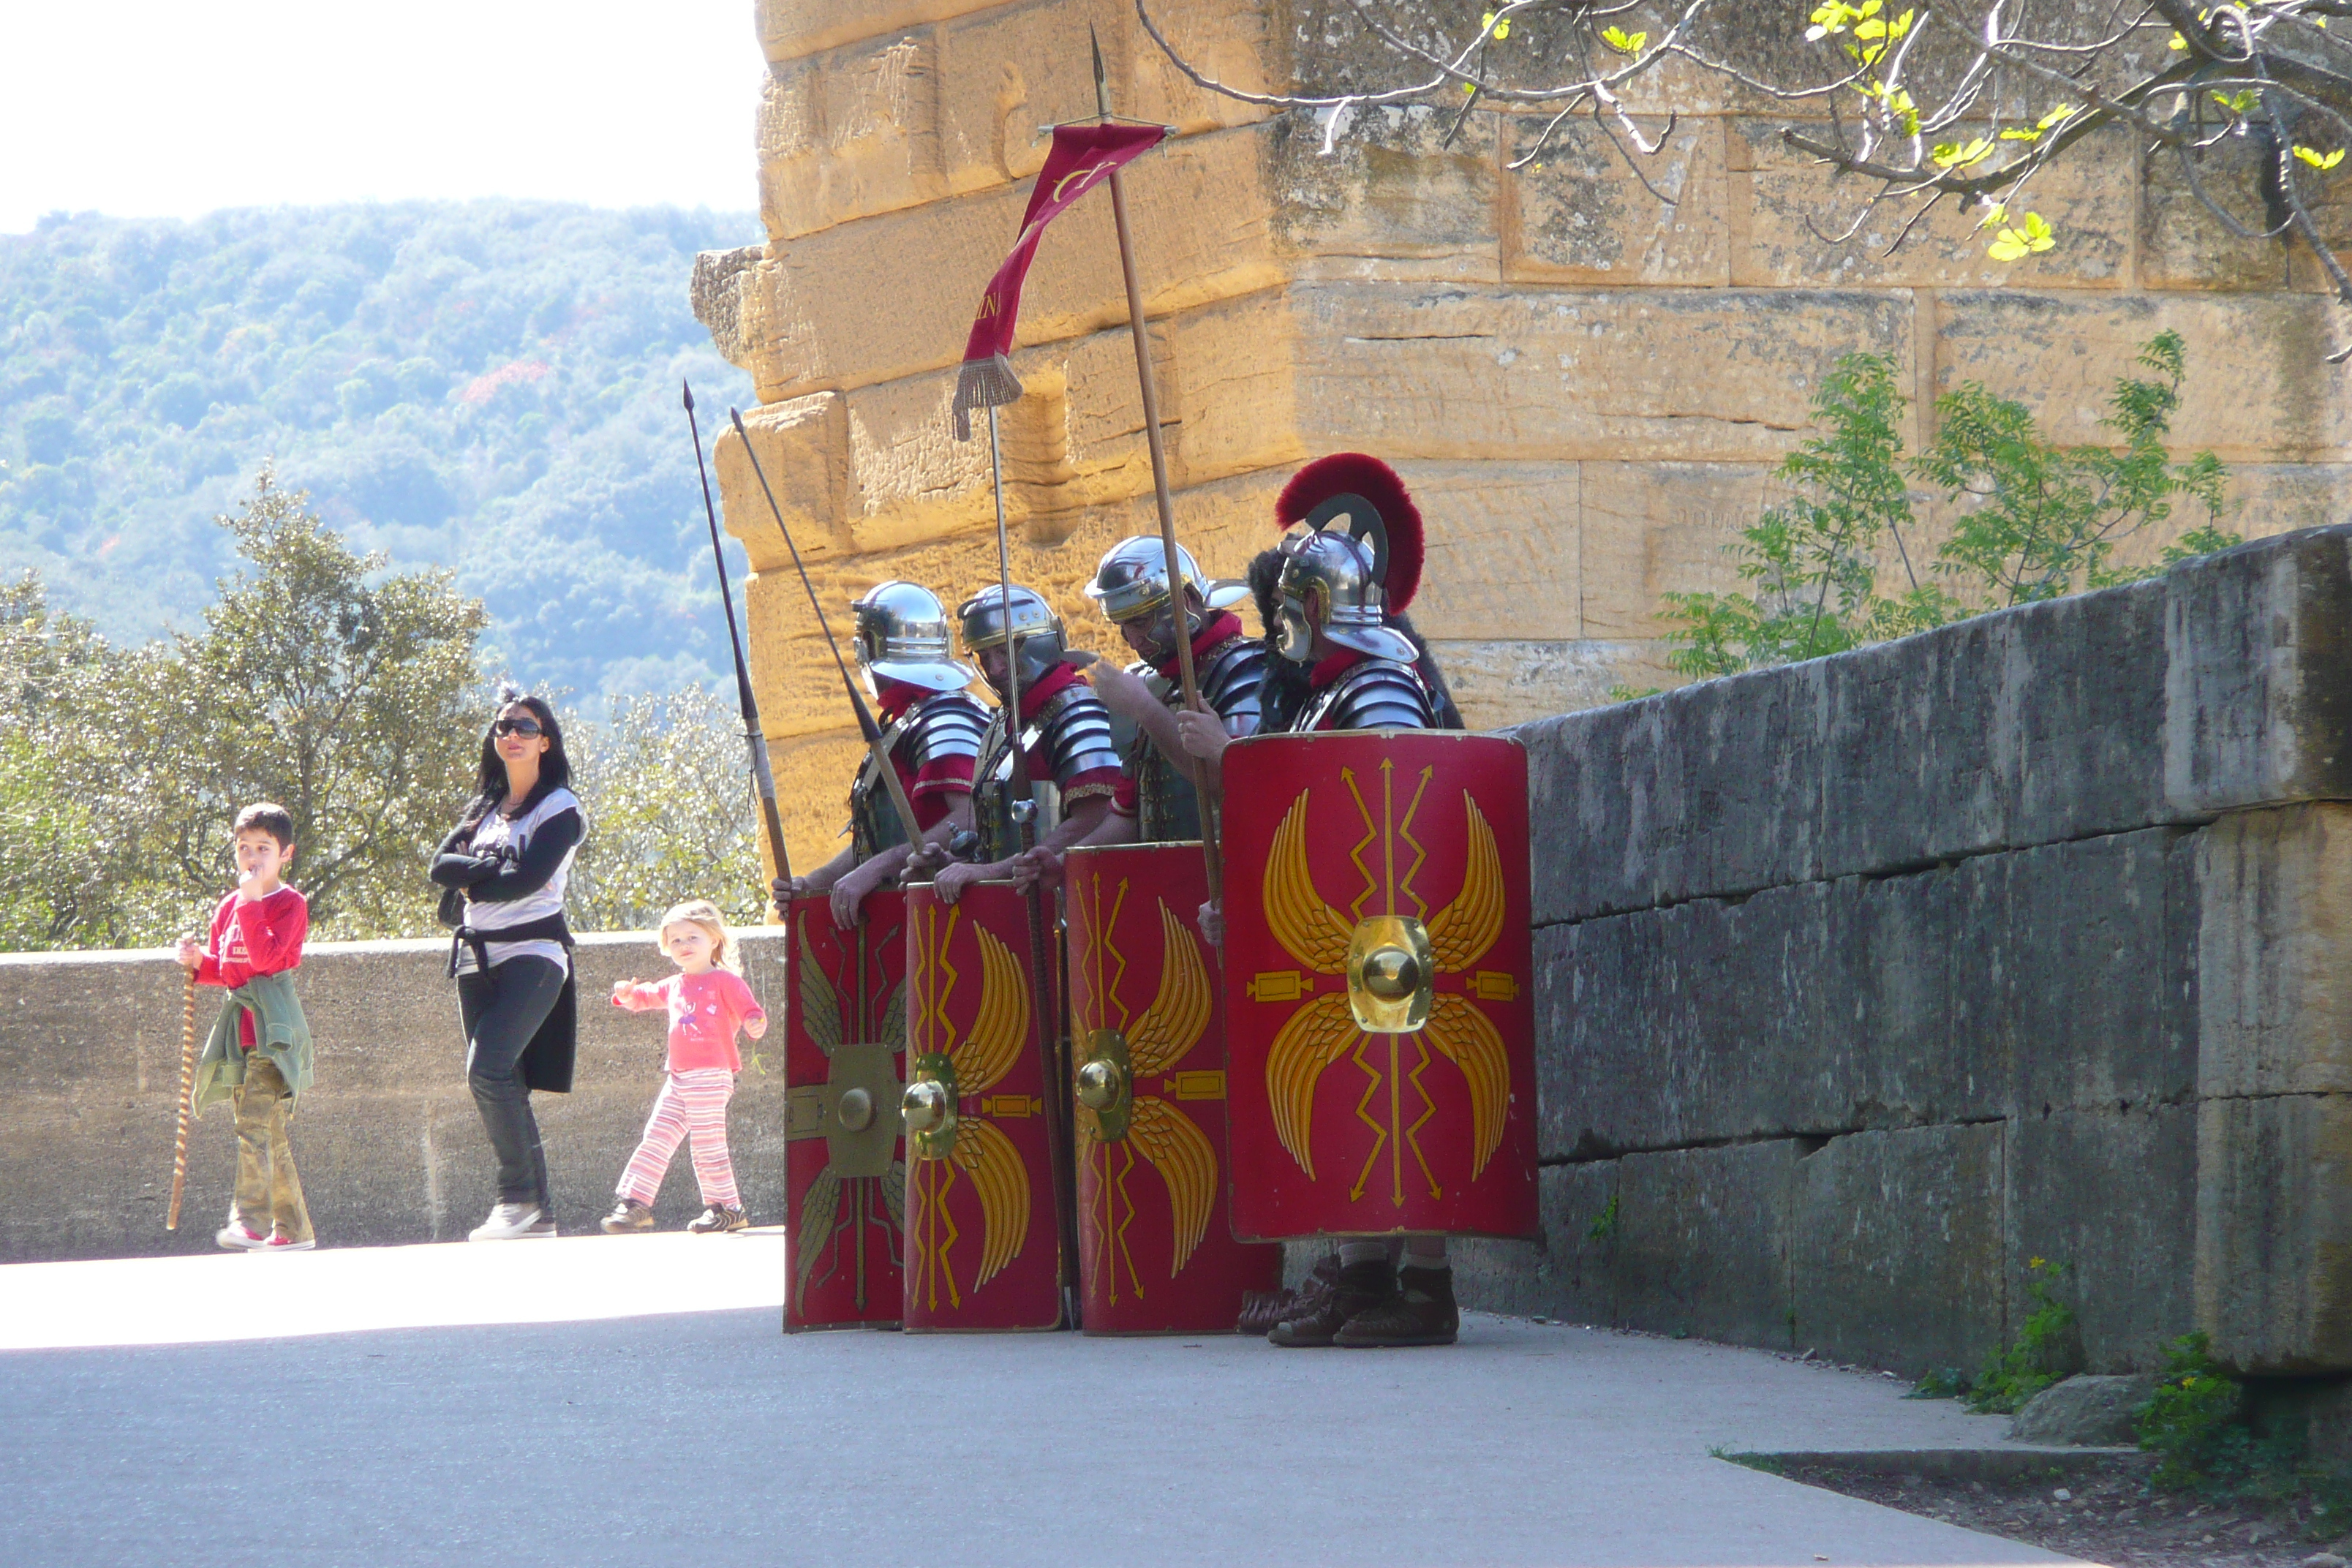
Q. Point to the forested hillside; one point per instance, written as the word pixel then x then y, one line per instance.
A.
pixel 488 386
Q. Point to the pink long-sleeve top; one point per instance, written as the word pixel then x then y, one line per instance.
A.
pixel 705 1011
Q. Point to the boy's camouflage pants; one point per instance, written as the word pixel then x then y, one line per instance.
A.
pixel 268 1192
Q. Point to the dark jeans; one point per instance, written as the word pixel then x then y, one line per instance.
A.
pixel 503 1009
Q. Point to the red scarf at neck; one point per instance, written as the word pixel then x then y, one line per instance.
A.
pixel 1222 625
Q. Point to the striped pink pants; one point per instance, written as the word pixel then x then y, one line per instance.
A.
pixel 691 1104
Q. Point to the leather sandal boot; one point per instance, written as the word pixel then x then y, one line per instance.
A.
pixel 1359 1288
pixel 1421 1312
pixel 1262 1309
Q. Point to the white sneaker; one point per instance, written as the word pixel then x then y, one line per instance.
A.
pixel 508 1222
pixel 238 1236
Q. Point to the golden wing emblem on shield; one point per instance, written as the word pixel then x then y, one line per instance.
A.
pixel 1000 1027
pixel 1324 1029
pixel 1163 1035
pixel 985 1153
pixel 999 1030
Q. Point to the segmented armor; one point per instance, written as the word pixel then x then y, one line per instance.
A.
pixel 1167 808
pixel 1072 731
pixel 940 727
pixel 1374 694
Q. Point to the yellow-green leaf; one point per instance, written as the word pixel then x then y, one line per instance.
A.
pixel 1623 42
pixel 2322 161
pixel 2029 234
pixel 2064 112
pixel 1960 154
pixel 2021 134
pixel 1995 214
pixel 2235 102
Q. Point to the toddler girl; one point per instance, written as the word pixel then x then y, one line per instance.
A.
pixel 707 1002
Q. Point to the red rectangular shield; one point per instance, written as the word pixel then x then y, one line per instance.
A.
pixel 984 1220
pixel 845 1161
pixel 1377 985
pixel 1156 1250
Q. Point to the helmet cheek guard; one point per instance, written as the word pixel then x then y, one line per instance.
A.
pixel 1033 630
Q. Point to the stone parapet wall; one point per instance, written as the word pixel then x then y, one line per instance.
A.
pixel 1864 983
pixel 387 1141
pixel 1587 381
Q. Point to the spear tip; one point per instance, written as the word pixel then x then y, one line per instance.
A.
pixel 736 415
pixel 1094 39
pixel 689 395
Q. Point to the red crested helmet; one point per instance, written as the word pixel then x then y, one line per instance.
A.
pixel 1356 560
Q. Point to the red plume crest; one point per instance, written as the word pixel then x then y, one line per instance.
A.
pixel 1355 473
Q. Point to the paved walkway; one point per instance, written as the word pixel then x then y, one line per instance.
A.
pixel 596 1403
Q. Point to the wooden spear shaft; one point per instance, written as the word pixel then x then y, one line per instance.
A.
pixel 187 1089
pixel 1202 788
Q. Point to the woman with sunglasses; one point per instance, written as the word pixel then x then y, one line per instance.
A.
pixel 503 873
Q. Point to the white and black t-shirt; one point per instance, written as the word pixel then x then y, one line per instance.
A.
pixel 496 831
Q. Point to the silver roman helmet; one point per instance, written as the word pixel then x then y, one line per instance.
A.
pixel 1035 631
pixel 902 635
pixel 1354 559
pixel 1131 583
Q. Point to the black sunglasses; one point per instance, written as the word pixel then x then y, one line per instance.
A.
pixel 516 727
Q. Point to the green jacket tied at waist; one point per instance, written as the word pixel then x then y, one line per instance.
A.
pixel 279 1030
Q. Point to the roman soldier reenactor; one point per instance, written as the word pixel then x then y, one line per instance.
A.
pixel 1156 803
pixel 1355 561
pixel 1064 736
pixel 932 733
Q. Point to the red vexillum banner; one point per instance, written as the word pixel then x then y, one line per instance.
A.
pixel 1082 157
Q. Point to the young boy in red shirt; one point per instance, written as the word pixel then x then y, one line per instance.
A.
pixel 256 943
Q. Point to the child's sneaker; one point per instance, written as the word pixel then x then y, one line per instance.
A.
pixel 541 1228
pixel 510 1222
pixel 717 1219
pixel 628 1214
pixel 287 1243
pixel 236 1237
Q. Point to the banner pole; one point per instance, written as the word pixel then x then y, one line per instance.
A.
pixel 1202 788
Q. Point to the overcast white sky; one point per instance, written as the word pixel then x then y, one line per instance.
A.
pixel 169 109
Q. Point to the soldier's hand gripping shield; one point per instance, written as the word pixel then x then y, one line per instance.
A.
pixel 1376 984
pixel 845 1161
pixel 982 1226
pixel 1156 1250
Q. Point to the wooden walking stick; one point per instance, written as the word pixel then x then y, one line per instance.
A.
pixel 188 1090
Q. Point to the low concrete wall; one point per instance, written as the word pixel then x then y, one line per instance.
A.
pixel 387 1141
pixel 1866 981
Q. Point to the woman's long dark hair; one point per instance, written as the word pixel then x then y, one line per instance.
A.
pixel 490 782
pixel 1286 690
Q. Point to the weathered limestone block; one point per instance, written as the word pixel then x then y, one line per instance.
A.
pixel 1703 1240
pixel 2275 1232
pixel 2099 953
pixel 2043 723
pixel 2182 244
pixel 1470 589
pixel 1895 1247
pixel 1567 1274
pixel 804 451
pixel 837 311
pixel 1651 529
pixel 1808 1009
pixel 1579 212
pixel 2129 1266
pixel 789 29
pixel 2275 952
pixel 850 132
pixel 2259 385
pixel 1796 210
pixel 2258 710
pixel 1390 187
pixel 1453 371
pixel 1497 684
pixel 2038 725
